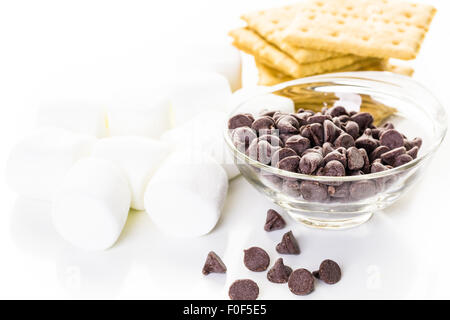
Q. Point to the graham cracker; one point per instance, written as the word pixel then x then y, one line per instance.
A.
pixel 250 42
pixel 373 28
pixel 271 24
pixel 268 76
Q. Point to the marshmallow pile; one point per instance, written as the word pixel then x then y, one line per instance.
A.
pixel 165 155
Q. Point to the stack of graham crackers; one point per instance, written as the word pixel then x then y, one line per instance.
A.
pixel 322 36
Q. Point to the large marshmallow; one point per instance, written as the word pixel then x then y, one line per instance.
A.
pixel 91 206
pixel 186 195
pixel 149 118
pixel 205 133
pixel 138 157
pixel 78 117
pixel 255 104
pixel 195 92
pixel 218 57
pixel 38 163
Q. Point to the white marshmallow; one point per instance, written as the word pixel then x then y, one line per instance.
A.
pixel 38 163
pixel 138 157
pixel 91 206
pixel 205 133
pixel 244 94
pixel 267 102
pixel 149 118
pixel 222 58
pixel 195 92
pixel 78 117
pixel 186 194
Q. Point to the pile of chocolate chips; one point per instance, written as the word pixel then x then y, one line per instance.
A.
pixel 334 143
pixel 256 259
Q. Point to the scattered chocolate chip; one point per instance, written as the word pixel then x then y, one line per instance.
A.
pixel 213 264
pixel 288 244
pixel 279 273
pixel 329 272
pixel 301 282
pixel 274 221
pixel 244 289
pixel 256 259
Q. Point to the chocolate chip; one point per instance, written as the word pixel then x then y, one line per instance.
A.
pixel 329 272
pixel 272 139
pixel 240 120
pixel 391 138
pixel 317 133
pixel 298 143
pixel 367 142
pixel 355 160
pixel 213 264
pixel 288 244
pixel 342 191
pixel 366 167
pixel 279 273
pixel 256 259
pixel 280 154
pixel 263 124
pixel 390 156
pixel 413 152
pixel 317 118
pixel 377 167
pixel 289 164
pixel 274 221
pixel 334 168
pixel 362 189
pixel 242 137
pixel 352 128
pixel 301 282
pixel 337 111
pixel 402 159
pixel 313 191
pixel 331 131
pixel 287 124
pixel 261 151
pixel 244 289
pixel 363 119
pixel 291 188
pixel 338 155
pixel 310 162
pixel 376 154
pixel 344 140
pixel 327 148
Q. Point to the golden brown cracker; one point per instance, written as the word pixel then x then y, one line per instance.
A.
pixel 373 28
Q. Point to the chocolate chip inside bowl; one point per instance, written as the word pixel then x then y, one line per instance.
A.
pixel 321 143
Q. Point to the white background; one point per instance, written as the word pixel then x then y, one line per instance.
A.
pixel 52 50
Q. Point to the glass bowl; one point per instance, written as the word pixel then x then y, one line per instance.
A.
pixel 306 197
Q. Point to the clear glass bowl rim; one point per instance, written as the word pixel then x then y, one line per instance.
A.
pixel 371 76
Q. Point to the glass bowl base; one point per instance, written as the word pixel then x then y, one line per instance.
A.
pixel 331 224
